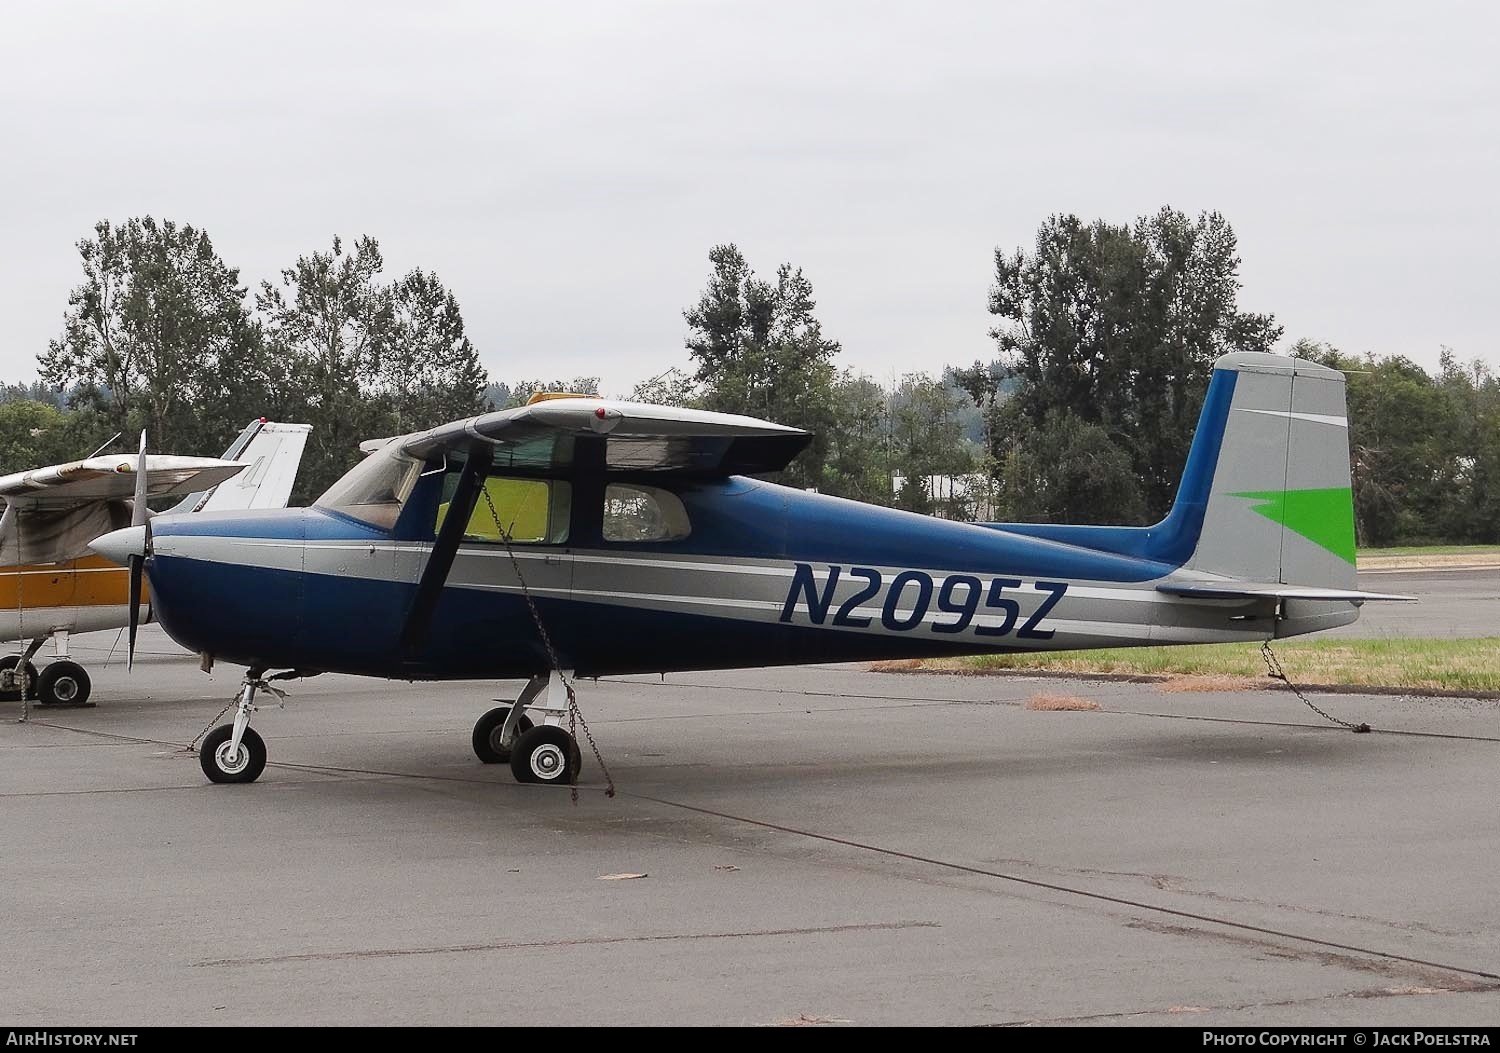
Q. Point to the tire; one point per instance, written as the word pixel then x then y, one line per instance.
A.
pixel 546 755
pixel 10 661
pixel 487 735
pixel 63 683
pixel 252 750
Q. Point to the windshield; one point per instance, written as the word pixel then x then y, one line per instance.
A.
pixel 375 489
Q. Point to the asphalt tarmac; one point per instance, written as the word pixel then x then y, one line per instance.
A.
pixel 819 846
pixel 1461 601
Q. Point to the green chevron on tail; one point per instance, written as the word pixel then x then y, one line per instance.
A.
pixel 1324 517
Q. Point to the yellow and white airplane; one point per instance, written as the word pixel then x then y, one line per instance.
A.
pixel 51 585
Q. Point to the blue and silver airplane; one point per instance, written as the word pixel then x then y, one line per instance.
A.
pixel 584 537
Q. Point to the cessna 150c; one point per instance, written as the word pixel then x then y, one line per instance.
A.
pixel 584 536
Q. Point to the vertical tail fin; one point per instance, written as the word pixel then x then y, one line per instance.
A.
pixel 273 451
pixel 1275 504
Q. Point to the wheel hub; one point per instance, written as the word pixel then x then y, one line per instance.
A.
pixel 232 761
pixel 548 762
pixel 65 688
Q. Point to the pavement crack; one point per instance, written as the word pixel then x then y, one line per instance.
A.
pixel 1240 1007
pixel 1251 929
pixel 593 941
pixel 1183 886
pixel 1429 977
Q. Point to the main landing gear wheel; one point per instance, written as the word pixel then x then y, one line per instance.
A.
pixel 13 694
pixel 222 766
pixel 547 755
pixel 487 734
pixel 63 683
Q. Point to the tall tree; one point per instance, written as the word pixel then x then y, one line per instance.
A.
pixel 329 321
pixel 760 350
pixel 429 372
pixel 858 462
pixel 34 434
pixel 1116 327
pixel 1416 447
pixel 927 442
pixel 157 334
pixel 670 388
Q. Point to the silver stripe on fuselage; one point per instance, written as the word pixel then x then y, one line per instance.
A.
pixel 31 622
pixel 741 589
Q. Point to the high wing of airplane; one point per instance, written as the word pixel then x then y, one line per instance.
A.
pixel 51 585
pixel 584 537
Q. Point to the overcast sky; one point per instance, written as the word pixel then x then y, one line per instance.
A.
pixel 565 168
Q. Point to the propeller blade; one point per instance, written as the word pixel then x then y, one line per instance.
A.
pixel 440 560
pixel 139 516
pixel 137 573
pixel 142 477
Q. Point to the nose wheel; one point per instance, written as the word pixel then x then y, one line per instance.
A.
pixel 222 761
pixel 234 752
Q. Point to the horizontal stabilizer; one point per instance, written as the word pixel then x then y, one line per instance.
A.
pixel 1250 590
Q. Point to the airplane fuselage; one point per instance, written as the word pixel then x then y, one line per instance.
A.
pixel 77 595
pixel 767 575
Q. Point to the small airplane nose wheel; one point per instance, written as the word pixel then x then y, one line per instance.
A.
pixel 222 763
pixel 547 755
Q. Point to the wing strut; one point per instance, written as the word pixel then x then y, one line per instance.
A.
pixel 440 560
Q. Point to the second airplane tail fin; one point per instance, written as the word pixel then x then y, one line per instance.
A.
pixel 273 452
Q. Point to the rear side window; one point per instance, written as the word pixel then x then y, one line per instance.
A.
pixel 643 513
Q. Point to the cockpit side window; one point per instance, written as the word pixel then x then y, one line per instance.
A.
pixel 376 489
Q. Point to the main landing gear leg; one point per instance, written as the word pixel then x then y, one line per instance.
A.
pixel 234 752
pixel 541 753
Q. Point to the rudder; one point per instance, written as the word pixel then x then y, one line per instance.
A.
pixel 1279 506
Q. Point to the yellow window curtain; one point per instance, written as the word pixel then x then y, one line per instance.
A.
pixel 521 504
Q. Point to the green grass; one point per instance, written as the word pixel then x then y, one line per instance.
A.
pixel 1416 665
pixel 1432 550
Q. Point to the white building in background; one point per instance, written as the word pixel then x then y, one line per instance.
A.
pixel 963 497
